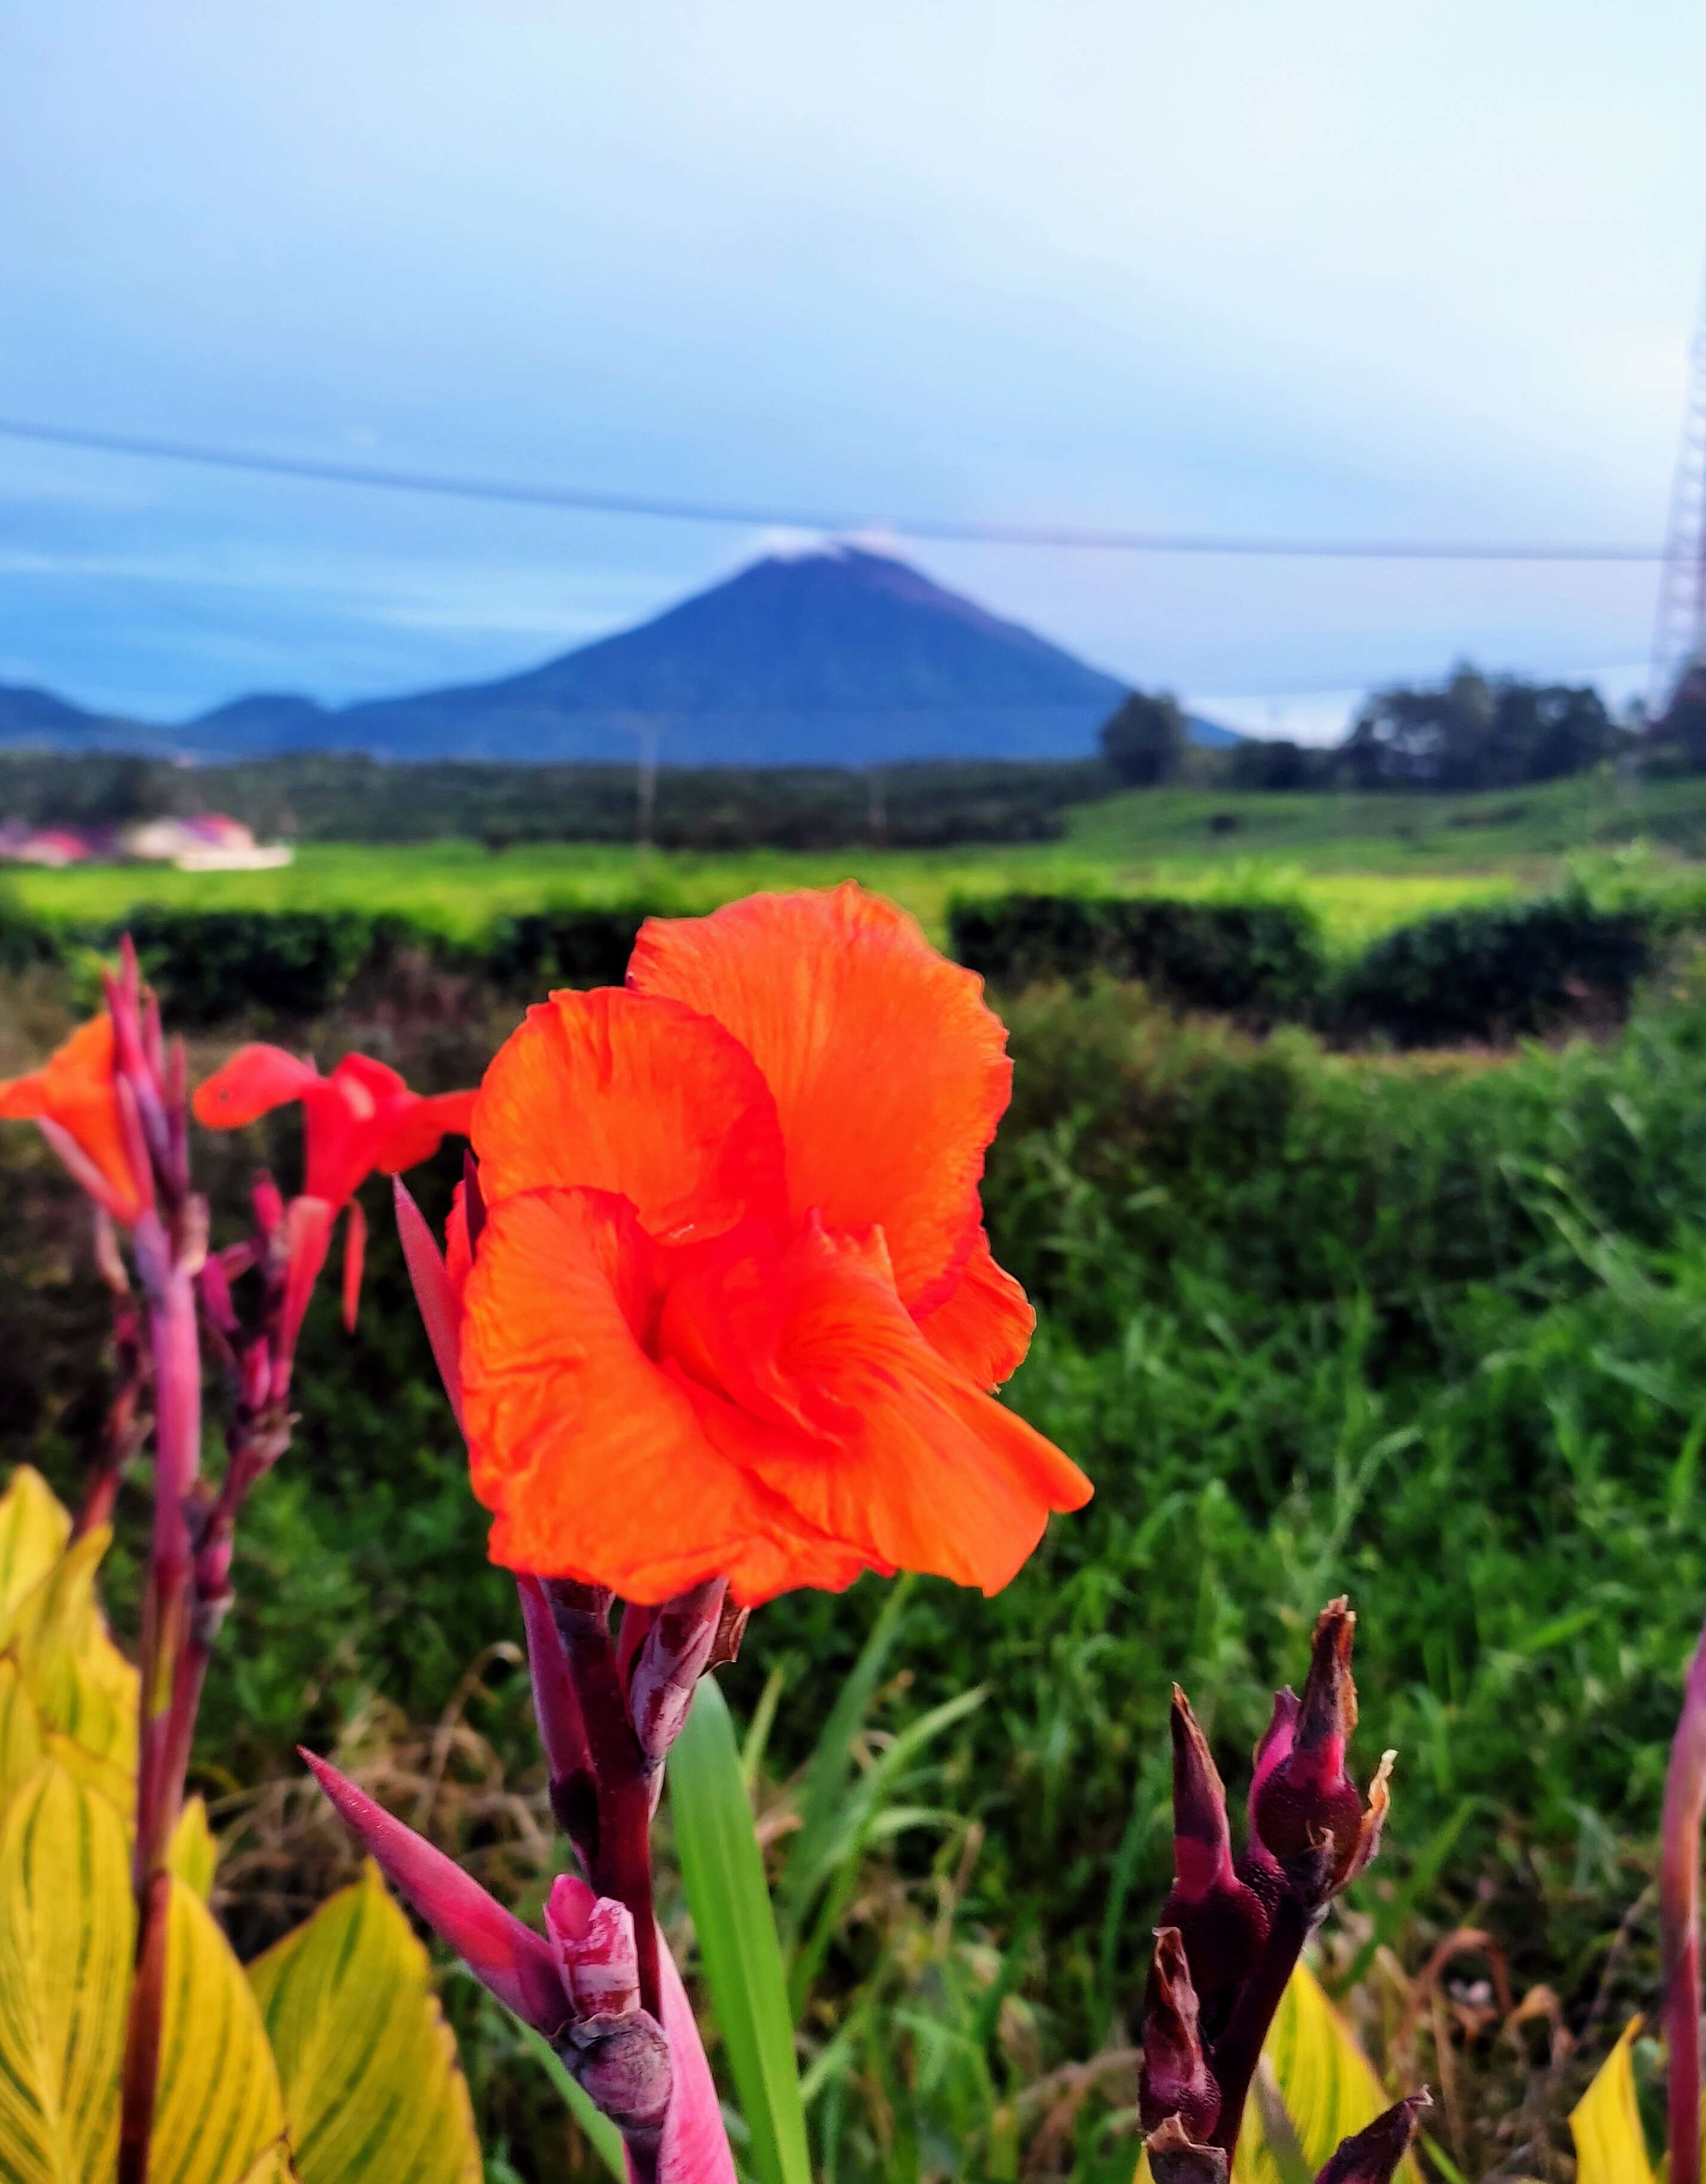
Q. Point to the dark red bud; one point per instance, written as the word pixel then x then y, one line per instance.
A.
pixel 1374 2152
pixel 1176 2082
pixel 1223 1923
pixel 1306 1799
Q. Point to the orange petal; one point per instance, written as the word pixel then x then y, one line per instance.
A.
pixel 936 1476
pixel 254 1081
pixel 888 1072
pixel 984 1325
pixel 591 1459
pixel 613 1091
pixel 73 1088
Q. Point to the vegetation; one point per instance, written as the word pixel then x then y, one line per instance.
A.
pixel 1432 1330
pixel 1144 740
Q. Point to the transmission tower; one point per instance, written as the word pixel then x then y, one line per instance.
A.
pixel 1679 633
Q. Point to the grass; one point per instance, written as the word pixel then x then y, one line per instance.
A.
pixel 1363 863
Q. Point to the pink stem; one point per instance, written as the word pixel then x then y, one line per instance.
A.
pixel 162 1744
pixel 1679 1898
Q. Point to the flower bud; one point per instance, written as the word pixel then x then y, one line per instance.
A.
pixel 1176 2082
pixel 1371 2154
pixel 1221 1920
pixel 1305 1808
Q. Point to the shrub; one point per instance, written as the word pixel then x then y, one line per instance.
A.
pixel 1495 972
pixel 212 965
pixel 563 947
pixel 1263 957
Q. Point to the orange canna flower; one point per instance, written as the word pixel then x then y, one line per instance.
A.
pixel 74 1096
pixel 731 1311
pixel 360 1118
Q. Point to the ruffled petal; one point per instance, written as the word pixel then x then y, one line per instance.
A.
pixel 613 1091
pixel 984 1325
pixel 254 1081
pixel 888 1072
pixel 593 1460
pixel 934 1475
pixel 73 1088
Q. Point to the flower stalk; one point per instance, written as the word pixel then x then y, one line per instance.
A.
pixel 1679 1900
pixel 1233 1929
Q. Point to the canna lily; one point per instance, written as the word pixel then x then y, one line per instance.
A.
pixel 731 1311
pixel 360 1118
pixel 74 1097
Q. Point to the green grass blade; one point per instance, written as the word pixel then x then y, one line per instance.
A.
pixel 723 1872
pixel 832 1761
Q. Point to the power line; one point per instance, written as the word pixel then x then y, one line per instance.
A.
pixel 942 530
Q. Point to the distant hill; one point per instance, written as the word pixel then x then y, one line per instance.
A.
pixel 838 657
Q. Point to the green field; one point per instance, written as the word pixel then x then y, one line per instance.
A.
pixel 1363 863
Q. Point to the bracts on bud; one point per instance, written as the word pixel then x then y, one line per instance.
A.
pixel 1233 1928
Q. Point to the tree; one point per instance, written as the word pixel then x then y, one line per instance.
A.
pixel 1144 740
pixel 1274 762
pixel 1476 732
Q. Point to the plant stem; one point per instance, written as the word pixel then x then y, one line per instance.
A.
pixel 163 1749
pixel 1239 2048
pixel 1679 1899
pixel 620 1860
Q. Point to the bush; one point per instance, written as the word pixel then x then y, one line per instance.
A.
pixel 566 947
pixel 1262 958
pixel 212 965
pixel 1495 972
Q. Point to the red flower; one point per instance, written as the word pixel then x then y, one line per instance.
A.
pixel 731 1311
pixel 74 1096
pixel 360 1118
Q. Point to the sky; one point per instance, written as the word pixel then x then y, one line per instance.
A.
pixel 1427 270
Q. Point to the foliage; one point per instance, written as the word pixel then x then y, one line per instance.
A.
pixel 1476 732
pixel 333 796
pixel 1277 765
pixel 1252 957
pixel 1143 740
pixel 1495 972
pixel 329 2062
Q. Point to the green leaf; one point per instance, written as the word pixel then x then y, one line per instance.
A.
pixel 373 2092
pixel 723 1871
pixel 1605 2123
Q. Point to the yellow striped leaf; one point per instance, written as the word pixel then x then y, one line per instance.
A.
pixel 81 1682
pixel 67 1932
pixel 219 2112
pixel 65 1929
pixel 194 1854
pixel 34 1528
pixel 1605 2123
pixel 372 2088
pixel 21 1740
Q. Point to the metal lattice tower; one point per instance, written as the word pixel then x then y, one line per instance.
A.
pixel 1679 633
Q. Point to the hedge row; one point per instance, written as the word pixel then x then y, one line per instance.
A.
pixel 1489 972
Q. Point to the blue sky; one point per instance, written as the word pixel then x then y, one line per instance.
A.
pixel 1297 265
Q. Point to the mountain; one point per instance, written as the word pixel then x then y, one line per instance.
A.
pixel 29 716
pixel 836 657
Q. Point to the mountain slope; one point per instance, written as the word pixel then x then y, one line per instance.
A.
pixel 840 657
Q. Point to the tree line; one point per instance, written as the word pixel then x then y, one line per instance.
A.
pixel 1473 730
